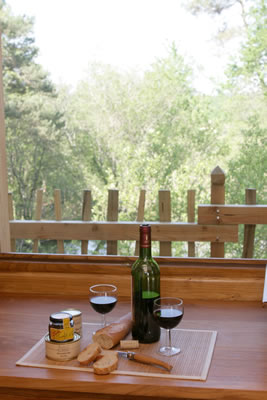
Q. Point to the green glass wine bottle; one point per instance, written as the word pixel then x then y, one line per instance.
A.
pixel 145 289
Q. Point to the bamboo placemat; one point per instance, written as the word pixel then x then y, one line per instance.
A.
pixel 193 362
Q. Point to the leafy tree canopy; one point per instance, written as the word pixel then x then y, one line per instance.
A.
pixel 248 70
pixel 251 66
pixel 131 131
pixel 34 123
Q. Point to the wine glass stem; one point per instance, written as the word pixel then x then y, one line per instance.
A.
pixel 103 320
pixel 168 337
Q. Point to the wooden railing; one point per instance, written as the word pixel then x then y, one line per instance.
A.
pixel 217 223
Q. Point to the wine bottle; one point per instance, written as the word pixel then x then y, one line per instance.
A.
pixel 145 289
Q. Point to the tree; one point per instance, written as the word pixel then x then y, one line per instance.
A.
pixel 36 146
pixel 248 70
pixel 248 170
pixel 217 7
pixel 151 131
pixel 126 130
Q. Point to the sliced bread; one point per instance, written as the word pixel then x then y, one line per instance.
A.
pixel 89 354
pixel 106 362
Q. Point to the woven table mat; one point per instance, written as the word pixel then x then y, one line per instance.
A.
pixel 193 362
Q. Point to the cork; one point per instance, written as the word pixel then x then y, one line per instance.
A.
pixel 129 344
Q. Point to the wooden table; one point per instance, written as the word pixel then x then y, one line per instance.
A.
pixel 221 295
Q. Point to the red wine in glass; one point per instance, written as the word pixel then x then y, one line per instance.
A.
pixel 103 304
pixel 168 312
pixel 168 318
pixel 103 299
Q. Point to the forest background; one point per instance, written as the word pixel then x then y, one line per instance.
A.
pixel 132 131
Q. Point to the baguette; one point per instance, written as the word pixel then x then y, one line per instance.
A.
pixel 107 362
pixel 89 354
pixel 112 334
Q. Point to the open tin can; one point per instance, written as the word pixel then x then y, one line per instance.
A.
pixel 63 351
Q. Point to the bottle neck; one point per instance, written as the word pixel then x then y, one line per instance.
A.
pixel 145 252
pixel 145 241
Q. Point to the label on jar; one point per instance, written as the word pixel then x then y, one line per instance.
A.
pixel 61 335
pixel 66 323
pixel 77 319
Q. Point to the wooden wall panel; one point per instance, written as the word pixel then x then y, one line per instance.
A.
pixel 191 279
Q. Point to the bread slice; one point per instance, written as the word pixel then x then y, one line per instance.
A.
pixel 89 354
pixel 107 362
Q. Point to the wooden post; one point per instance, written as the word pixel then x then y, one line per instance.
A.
pixel 140 215
pixel 4 220
pixel 11 217
pixel 165 248
pixel 57 202
pixel 86 216
pixel 249 230
pixel 113 212
pixel 217 197
pixel 38 215
pixel 191 195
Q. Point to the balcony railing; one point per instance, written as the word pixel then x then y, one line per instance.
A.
pixel 217 223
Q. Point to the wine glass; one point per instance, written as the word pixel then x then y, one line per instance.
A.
pixel 168 312
pixel 103 298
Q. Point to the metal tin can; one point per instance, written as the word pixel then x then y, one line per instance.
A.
pixel 61 327
pixel 63 351
pixel 77 319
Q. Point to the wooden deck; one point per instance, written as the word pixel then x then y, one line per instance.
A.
pixel 221 295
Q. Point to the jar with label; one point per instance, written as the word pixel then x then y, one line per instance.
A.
pixel 77 319
pixel 61 327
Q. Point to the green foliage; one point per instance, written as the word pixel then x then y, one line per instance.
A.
pixel 250 68
pixel 247 71
pixel 249 170
pixel 209 6
pixel 133 131
pixel 37 148
pixel 148 132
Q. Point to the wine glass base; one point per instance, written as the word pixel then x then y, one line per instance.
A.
pixel 169 351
